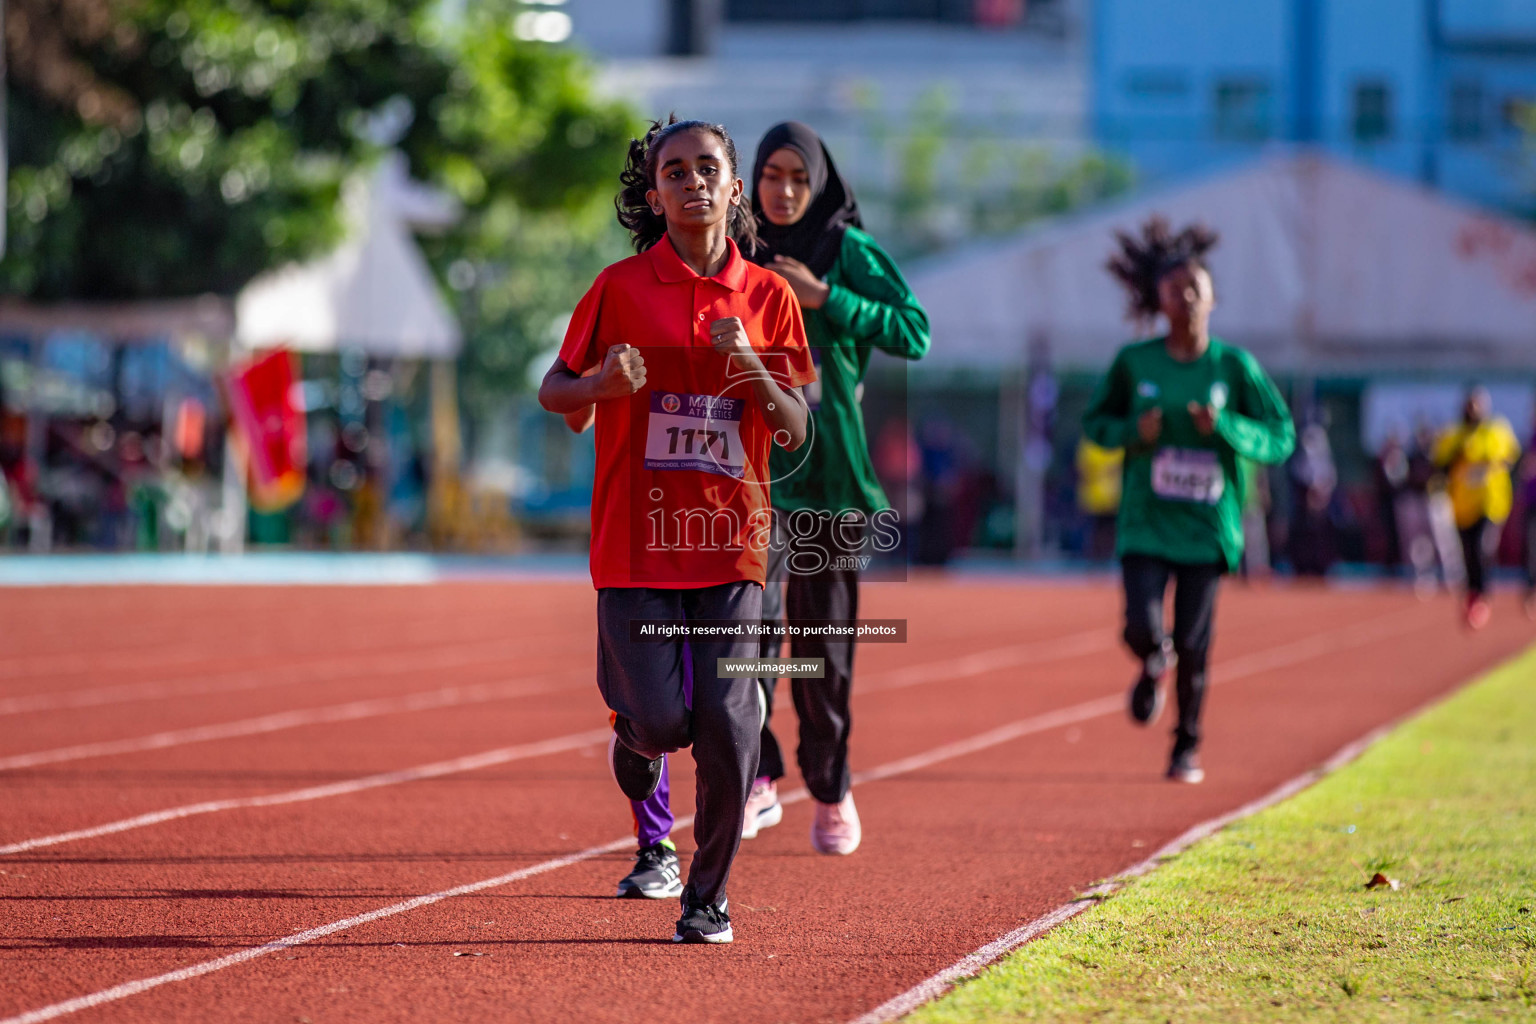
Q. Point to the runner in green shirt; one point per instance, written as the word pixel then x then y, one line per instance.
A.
pixel 825 495
pixel 1190 410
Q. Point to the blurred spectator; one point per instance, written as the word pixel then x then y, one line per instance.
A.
pixel 1477 455
pixel 939 456
pixel 1390 477
pixel 1098 496
pixel 1257 503
pixel 1428 528
pixel 896 458
pixel 1313 544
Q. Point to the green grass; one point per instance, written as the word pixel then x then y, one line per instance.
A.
pixel 1269 919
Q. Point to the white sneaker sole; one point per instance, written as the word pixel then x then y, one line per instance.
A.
pixel 715 939
pixel 766 818
pixel 672 892
pixel 836 849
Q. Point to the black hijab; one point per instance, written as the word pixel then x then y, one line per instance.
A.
pixel 817 238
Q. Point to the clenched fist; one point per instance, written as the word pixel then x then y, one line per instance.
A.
pixel 1204 417
pixel 623 372
pixel 729 337
pixel 1149 425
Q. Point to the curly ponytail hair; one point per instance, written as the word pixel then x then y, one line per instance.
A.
pixel 647 227
pixel 1142 263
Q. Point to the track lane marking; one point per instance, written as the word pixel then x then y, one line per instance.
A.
pixel 327 669
pixel 1356 635
pixel 152 655
pixel 447 697
pixel 938 984
pixel 346 666
pixel 435 770
pixel 1073 645
pixel 1013 656
pixel 1064 647
pixel 979 663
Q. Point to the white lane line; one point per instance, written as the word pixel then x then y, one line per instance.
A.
pixel 357 666
pixel 932 988
pixel 360 665
pixel 979 663
pixel 1236 669
pixel 468 763
pixel 448 697
pixel 154 655
pixel 1352 636
pixel 133 988
pixel 1240 667
pixel 1073 645
pixel 1001 658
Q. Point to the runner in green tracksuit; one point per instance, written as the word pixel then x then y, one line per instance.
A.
pixel 826 498
pixel 1189 410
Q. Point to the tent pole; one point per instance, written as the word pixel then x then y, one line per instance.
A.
pixel 232 504
pixel 446 518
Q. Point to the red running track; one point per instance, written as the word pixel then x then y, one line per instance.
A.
pixel 999 779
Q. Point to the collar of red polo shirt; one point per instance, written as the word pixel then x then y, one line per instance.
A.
pixel 670 268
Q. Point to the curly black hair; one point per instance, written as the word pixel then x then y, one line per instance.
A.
pixel 645 226
pixel 1142 263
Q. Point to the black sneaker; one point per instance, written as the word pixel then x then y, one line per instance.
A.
pixel 1146 697
pixel 1185 767
pixel 656 875
pixel 637 776
pixel 703 922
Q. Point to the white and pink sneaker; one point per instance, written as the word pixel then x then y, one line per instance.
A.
pixel 763 808
pixel 835 828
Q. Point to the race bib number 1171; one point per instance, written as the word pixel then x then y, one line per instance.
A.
pixel 699 432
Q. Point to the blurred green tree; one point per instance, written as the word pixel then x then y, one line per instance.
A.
pixel 170 147
pixel 535 160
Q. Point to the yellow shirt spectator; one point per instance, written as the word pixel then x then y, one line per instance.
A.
pixel 1477 459
pixel 1098 478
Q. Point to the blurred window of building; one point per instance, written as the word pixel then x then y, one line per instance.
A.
pixel 1487 21
pixel 1464 119
pixel 1242 110
pixel 987 12
pixel 1372 116
pixel 1157 83
pixel 1519 115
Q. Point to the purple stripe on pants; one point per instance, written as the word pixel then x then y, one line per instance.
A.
pixel 653 815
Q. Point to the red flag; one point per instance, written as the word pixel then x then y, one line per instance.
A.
pixel 999 13
pixel 270 427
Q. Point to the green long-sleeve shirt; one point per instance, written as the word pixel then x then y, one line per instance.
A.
pixel 1183 494
pixel 869 307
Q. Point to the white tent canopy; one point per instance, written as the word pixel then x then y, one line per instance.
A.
pixel 1322 267
pixel 374 292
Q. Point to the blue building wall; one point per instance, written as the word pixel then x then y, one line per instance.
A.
pixel 1425 89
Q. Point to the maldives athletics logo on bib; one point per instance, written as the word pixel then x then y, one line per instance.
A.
pixel 670 403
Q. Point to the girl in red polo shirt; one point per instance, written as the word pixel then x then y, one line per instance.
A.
pixel 693 358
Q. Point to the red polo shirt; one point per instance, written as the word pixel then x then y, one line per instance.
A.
pixel 680 498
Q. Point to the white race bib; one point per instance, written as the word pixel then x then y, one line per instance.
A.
pixel 1183 474
pixel 699 432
